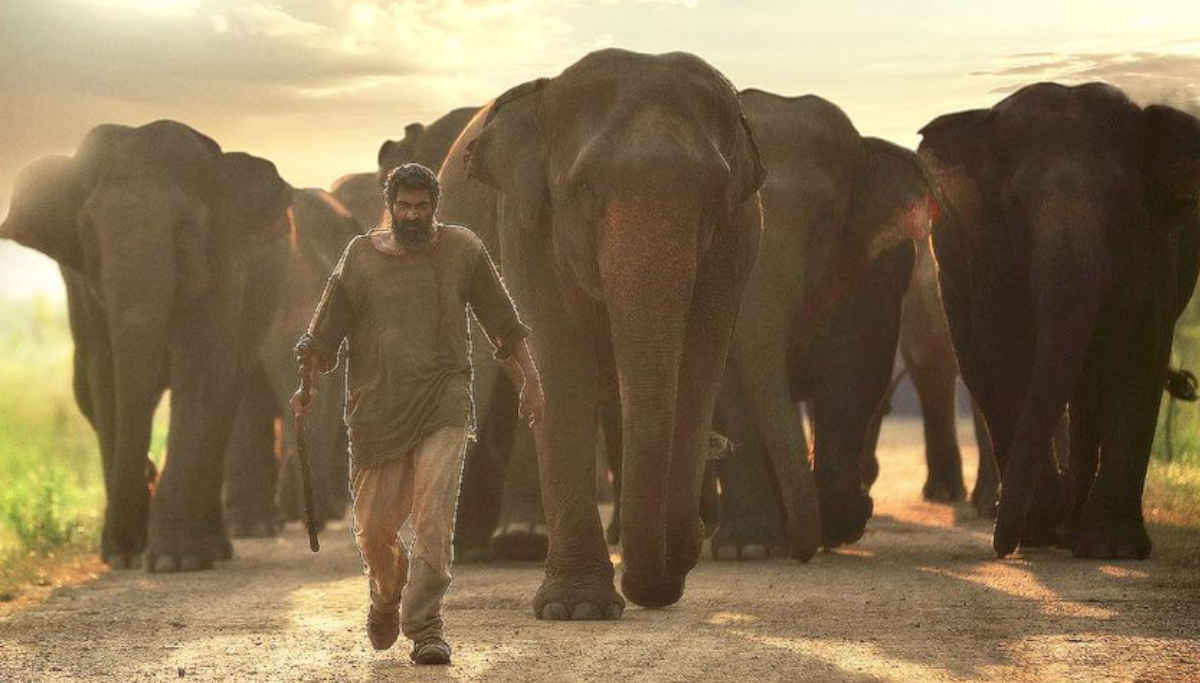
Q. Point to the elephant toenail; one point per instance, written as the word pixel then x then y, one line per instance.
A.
pixel 615 610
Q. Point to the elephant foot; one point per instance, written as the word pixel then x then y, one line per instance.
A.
pixel 168 564
pixel 577 598
pixel 984 500
pixel 947 488
pixel 652 591
pixel 742 538
pixel 844 517
pixel 521 541
pixel 123 560
pixel 184 552
pixel 1119 539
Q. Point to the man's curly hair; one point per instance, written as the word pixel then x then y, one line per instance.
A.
pixel 411 176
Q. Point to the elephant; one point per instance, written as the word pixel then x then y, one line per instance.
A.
pixel 158 233
pixel 819 322
pixel 1069 245
pixel 621 197
pixel 288 289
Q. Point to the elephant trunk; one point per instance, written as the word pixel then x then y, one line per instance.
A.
pixel 136 281
pixel 648 263
pixel 139 343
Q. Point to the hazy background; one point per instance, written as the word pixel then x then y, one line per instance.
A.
pixel 316 86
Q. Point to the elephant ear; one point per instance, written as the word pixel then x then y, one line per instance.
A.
pixel 956 151
pixel 747 173
pixel 509 153
pixel 42 214
pixel 894 199
pixel 1172 154
pixel 392 153
pixel 252 201
pixel 1172 163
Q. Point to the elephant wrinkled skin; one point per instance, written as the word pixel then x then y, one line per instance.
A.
pixel 1067 250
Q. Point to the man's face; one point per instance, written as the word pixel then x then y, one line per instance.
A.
pixel 412 216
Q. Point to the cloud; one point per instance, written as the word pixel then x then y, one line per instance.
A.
pixel 282 57
pixel 1145 75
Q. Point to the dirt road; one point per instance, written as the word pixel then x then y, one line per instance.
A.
pixel 919 598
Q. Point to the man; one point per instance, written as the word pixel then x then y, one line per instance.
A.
pixel 399 296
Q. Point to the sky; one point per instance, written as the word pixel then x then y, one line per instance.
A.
pixel 316 86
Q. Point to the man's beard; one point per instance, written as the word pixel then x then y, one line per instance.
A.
pixel 412 233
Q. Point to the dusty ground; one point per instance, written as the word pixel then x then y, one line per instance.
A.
pixel 919 598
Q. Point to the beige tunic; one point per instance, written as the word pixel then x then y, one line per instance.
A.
pixel 404 318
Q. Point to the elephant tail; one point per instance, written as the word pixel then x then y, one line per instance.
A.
pixel 1181 384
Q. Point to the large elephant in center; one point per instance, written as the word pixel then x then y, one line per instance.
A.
pixel 157 232
pixel 1067 250
pixel 627 221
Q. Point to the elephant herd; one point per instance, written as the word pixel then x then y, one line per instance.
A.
pixel 692 260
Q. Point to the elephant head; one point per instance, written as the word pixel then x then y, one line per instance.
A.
pixel 893 203
pixel 392 153
pixel 631 182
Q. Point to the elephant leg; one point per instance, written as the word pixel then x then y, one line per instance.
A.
pixel 853 359
pixel 750 519
pixel 1111 524
pixel 986 493
pixel 935 384
pixel 1045 524
pixel 186 527
pixel 250 464
pixel 578 581
pixel 761 368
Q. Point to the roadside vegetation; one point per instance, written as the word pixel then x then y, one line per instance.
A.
pixel 51 488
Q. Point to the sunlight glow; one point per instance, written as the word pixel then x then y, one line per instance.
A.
pixel 363 15
pixel 860 658
pixel 163 8
pixel 1020 582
